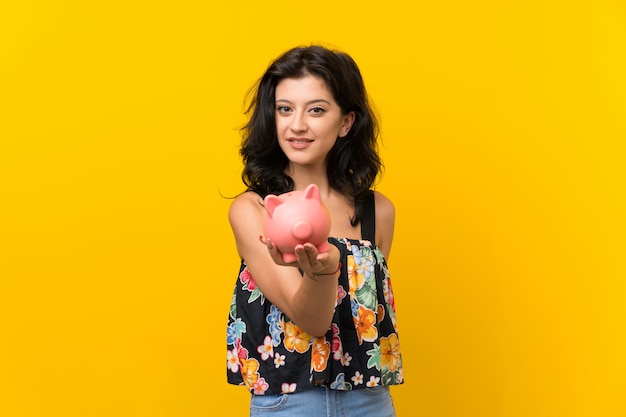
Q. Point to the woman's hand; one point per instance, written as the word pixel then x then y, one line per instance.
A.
pixel 314 263
pixel 308 258
pixel 277 257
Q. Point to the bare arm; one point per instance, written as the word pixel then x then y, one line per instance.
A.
pixel 308 300
pixel 385 220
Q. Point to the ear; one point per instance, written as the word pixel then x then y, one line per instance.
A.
pixel 312 191
pixel 346 124
pixel 271 202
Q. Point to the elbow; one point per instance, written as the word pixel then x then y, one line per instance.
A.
pixel 318 328
pixel 318 332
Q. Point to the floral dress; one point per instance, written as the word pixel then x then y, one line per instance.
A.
pixel 269 354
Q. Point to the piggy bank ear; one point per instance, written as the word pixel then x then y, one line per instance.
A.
pixel 271 202
pixel 312 191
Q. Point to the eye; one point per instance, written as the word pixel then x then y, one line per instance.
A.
pixel 318 110
pixel 282 109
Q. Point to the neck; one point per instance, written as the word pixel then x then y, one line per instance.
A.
pixel 303 176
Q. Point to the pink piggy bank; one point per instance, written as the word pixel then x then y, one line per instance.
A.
pixel 294 218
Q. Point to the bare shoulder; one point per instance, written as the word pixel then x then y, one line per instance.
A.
pixel 384 205
pixel 245 205
pixel 246 221
pixel 246 216
pixel 385 220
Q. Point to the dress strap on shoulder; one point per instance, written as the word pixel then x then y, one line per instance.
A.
pixel 368 222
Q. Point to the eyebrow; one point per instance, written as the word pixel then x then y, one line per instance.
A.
pixel 308 103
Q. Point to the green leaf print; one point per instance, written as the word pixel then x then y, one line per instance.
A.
pixel 374 360
pixel 233 306
pixel 379 255
pixel 366 295
pixel 388 378
pixel 256 294
pixel 366 251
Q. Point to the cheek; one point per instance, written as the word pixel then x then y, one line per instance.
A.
pixel 332 130
pixel 280 124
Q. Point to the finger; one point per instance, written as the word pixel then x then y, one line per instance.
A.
pixel 267 242
pixel 329 257
pixel 276 254
pixel 273 251
pixel 306 261
pixel 322 257
pixel 302 254
pixel 311 251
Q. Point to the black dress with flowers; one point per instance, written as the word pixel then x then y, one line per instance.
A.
pixel 270 354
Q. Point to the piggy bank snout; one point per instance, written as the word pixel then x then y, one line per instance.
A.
pixel 302 230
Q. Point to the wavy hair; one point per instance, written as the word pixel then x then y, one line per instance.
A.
pixel 353 163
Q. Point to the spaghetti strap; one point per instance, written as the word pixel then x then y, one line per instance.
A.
pixel 368 223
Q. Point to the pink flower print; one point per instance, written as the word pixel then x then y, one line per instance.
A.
pixel 357 378
pixel 246 279
pixel 233 360
pixel 288 388
pixel 242 352
pixel 336 345
pixel 266 349
pixel 373 382
pixel 279 360
pixel 388 293
pixel 341 294
pixel 260 386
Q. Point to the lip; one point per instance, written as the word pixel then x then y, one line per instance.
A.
pixel 299 143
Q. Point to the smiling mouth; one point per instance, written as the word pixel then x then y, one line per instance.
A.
pixel 297 143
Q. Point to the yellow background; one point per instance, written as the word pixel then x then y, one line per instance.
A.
pixel 504 126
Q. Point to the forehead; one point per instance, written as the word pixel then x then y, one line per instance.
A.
pixel 307 87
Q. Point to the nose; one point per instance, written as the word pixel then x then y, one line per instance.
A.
pixel 298 122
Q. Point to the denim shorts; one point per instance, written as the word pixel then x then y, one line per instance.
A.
pixel 324 402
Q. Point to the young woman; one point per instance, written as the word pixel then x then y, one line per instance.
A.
pixel 316 337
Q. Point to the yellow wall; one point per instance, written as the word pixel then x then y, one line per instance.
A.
pixel 504 127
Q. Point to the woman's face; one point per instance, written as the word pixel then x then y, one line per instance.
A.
pixel 308 120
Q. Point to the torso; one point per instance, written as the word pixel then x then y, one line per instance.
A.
pixel 341 212
pixel 270 354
